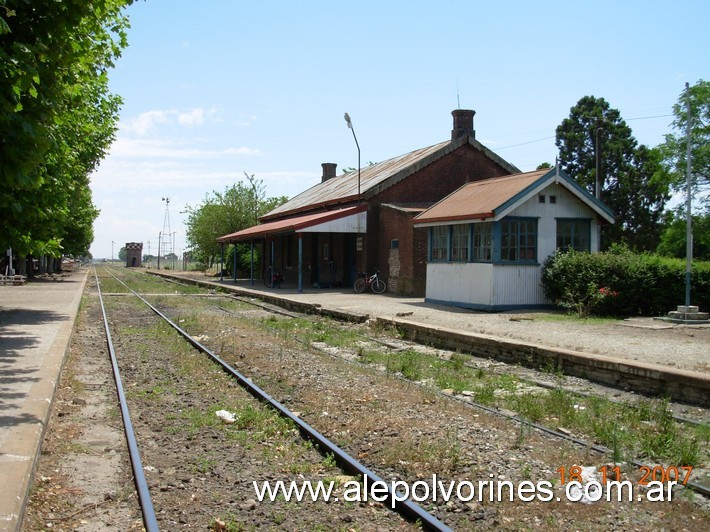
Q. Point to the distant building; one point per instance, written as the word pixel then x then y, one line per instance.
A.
pixel 134 254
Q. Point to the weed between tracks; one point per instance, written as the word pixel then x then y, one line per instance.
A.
pixel 643 429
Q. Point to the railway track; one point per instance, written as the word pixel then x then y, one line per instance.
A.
pixel 196 466
pixel 534 379
pixel 528 378
pixel 350 465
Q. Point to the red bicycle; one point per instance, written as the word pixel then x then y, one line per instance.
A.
pixel 272 280
pixel 373 282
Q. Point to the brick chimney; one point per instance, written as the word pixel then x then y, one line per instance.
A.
pixel 329 170
pixel 463 123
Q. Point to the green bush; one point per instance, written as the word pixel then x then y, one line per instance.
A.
pixel 243 252
pixel 622 283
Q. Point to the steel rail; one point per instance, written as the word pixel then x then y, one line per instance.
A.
pixel 405 507
pixel 149 518
pixel 527 380
pixel 694 486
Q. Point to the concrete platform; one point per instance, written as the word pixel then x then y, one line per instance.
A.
pixel 36 324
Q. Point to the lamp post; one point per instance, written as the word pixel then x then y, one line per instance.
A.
pixel 350 125
pixel 112 242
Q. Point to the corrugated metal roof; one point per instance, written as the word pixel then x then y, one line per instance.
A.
pixel 374 178
pixel 288 225
pixel 343 188
pixel 480 199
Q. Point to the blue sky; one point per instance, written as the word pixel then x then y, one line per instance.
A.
pixel 217 88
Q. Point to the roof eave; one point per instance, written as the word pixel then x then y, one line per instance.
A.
pixel 458 218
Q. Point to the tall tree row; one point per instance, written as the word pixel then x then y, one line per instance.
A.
pixel 57 118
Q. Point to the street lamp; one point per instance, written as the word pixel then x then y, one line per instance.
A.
pixel 112 242
pixel 350 125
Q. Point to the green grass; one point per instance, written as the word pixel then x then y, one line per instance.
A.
pixel 141 283
pixel 574 318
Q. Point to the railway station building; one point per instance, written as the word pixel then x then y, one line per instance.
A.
pixel 488 241
pixel 362 220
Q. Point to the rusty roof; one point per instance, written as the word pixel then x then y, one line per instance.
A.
pixel 489 198
pixel 375 178
pixel 288 225
pixel 480 199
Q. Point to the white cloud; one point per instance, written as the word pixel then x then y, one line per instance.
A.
pixel 196 117
pixel 166 148
pixel 242 150
pixel 145 122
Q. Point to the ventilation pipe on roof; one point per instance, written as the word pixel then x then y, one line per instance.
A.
pixel 463 123
pixel 329 170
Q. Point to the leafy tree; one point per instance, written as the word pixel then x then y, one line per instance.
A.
pixel 57 118
pixel 237 208
pixel 674 149
pixel 634 184
pixel 673 239
pixel 122 254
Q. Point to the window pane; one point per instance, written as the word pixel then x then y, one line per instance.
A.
pixel 482 242
pixel 440 243
pixel 519 240
pixel 459 242
pixel 574 234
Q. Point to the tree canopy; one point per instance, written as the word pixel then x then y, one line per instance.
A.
pixel 633 182
pixel 673 239
pixel 57 118
pixel 237 208
pixel 674 149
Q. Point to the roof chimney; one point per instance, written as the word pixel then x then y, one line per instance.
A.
pixel 329 170
pixel 463 123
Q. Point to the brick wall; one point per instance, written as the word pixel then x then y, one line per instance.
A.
pixel 423 188
pixel 134 254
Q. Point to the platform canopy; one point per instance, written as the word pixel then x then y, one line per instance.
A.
pixel 348 220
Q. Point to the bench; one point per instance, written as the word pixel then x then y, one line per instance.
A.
pixel 14 280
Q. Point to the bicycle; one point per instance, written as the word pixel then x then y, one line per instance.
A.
pixel 272 280
pixel 373 282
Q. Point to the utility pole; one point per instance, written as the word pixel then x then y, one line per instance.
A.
pixel 598 157
pixel 112 243
pixel 688 203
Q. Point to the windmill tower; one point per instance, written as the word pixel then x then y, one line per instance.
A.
pixel 166 240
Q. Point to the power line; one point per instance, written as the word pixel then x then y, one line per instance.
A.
pixel 524 143
pixel 647 117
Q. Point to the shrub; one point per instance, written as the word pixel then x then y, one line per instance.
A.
pixel 243 252
pixel 622 283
